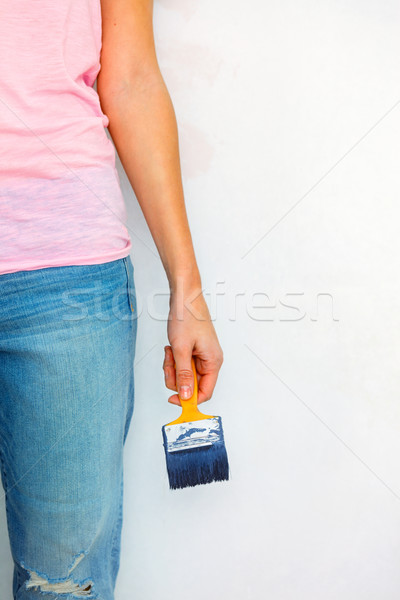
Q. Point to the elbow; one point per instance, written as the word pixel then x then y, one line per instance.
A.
pixel 116 89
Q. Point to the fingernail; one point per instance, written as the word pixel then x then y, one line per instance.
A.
pixel 184 391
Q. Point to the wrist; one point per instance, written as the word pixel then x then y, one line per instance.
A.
pixel 187 300
pixel 185 282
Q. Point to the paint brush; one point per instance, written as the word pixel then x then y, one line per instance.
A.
pixel 194 445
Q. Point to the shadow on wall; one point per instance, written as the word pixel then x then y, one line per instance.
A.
pixel 6 563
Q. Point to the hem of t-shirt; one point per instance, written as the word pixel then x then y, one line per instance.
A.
pixel 70 261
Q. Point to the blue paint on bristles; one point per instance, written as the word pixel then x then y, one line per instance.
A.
pixel 192 460
pixel 194 446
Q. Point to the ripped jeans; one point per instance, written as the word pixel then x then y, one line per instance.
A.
pixel 67 346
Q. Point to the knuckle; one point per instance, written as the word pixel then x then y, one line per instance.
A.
pixel 217 359
pixel 185 375
pixel 166 367
pixel 168 360
pixel 181 349
pixel 215 352
pixel 220 359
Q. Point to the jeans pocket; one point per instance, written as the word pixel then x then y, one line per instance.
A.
pixel 130 284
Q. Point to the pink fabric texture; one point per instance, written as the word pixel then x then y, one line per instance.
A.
pixel 60 196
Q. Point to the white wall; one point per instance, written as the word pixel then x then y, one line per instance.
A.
pixel 289 136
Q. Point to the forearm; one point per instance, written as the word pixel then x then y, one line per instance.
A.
pixel 143 127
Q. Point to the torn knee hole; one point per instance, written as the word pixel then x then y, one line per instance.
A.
pixel 68 586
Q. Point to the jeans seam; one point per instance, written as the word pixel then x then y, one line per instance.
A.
pixel 128 282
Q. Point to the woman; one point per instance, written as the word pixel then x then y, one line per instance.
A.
pixel 67 305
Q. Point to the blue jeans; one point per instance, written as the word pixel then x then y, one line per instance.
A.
pixel 67 346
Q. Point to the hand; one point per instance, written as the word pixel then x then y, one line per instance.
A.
pixel 191 332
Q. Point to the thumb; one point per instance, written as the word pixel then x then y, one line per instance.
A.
pixel 184 373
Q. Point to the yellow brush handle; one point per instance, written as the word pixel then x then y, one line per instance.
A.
pixel 190 412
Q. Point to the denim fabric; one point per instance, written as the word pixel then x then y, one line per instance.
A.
pixel 67 346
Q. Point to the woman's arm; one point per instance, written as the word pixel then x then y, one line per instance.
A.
pixel 143 126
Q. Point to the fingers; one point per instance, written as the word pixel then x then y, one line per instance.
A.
pixel 169 368
pixel 206 385
pixel 207 373
pixel 184 373
pixel 178 373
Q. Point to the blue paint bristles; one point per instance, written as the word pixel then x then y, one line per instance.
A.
pixel 194 460
pixel 194 446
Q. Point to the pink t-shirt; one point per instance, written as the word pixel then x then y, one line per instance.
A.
pixel 60 196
